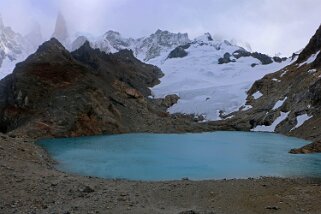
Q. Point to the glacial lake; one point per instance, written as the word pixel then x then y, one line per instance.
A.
pixel 158 157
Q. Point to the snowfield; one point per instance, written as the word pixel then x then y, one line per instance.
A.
pixel 206 87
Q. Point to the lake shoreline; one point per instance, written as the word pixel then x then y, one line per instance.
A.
pixel 30 183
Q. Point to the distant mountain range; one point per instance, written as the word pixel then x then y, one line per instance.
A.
pixel 211 76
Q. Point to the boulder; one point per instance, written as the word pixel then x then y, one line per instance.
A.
pixel 178 52
pixel 225 59
pixel 170 100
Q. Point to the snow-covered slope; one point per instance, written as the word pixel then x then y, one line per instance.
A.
pixel 206 87
pixel 13 48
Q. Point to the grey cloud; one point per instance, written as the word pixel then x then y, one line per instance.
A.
pixel 270 26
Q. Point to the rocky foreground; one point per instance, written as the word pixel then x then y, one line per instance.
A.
pixel 30 184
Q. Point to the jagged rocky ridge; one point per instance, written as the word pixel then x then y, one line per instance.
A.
pixel 145 48
pixel 86 92
pixel 164 42
pixel 288 101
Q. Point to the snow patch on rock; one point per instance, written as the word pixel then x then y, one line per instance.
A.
pixel 272 127
pixel 301 119
pixel 279 103
pixel 257 95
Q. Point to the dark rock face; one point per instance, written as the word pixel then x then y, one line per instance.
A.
pixel 279 59
pixel 313 47
pixel 265 59
pixel 241 53
pixel 225 59
pixel 317 62
pixel 86 92
pixel 179 52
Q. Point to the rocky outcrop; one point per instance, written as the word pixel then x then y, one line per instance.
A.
pixel 86 92
pixel 279 59
pixel 263 58
pixel 225 59
pixel 170 100
pixel 308 149
pixel 179 52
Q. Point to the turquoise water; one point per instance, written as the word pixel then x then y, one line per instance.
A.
pixel 200 156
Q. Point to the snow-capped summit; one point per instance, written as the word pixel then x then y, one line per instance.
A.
pixel 159 42
pixel 61 32
pixel 117 41
pixel 112 42
pixel 206 37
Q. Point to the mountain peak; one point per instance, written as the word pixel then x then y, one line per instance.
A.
pixel 159 31
pixel 61 31
pixel 112 33
pixel 50 49
pixel 206 37
pixel 79 41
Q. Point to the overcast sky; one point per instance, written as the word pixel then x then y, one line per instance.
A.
pixel 270 26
